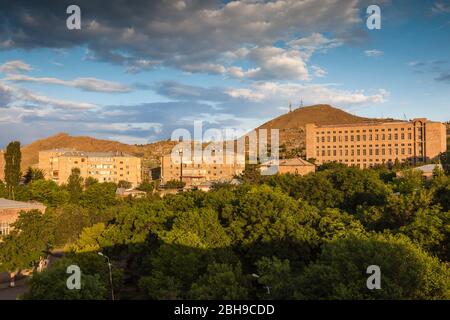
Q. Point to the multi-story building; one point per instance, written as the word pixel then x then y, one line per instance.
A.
pixel 371 143
pixel 104 166
pixel 197 171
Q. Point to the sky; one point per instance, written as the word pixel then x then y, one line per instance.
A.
pixel 137 70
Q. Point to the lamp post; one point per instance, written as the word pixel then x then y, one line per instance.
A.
pixel 254 275
pixel 110 274
pixel 180 152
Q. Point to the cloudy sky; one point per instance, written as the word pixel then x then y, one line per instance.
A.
pixel 137 70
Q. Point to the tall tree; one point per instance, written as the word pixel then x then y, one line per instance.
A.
pixel 13 157
pixel 33 174
pixel 75 185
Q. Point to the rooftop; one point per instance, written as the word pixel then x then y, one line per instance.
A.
pixel 73 153
pixel 289 162
pixel 11 204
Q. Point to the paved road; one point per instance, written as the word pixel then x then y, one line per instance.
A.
pixel 12 293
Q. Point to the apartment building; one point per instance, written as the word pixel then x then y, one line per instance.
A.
pixel 368 144
pixel 104 166
pixel 196 171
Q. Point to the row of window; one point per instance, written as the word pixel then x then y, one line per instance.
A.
pixel 365 146
pixel 364 130
pixel 5 228
pixel 364 152
pixel 364 137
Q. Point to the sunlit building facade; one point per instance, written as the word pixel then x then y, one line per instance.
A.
pixel 369 144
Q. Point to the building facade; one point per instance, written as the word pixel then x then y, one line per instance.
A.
pixel 373 143
pixel 57 165
pixel 10 210
pixel 293 166
pixel 214 168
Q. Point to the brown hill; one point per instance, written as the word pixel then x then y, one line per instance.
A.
pixel 150 152
pixel 292 125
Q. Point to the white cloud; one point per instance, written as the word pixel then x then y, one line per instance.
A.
pixel 318 71
pixel 440 7
pixel 193 34
pixel 15 66
pixel 205 68
pixel 373 53
pixel 276 93
pixel 314 42
pixel 22 96
pixel 86 84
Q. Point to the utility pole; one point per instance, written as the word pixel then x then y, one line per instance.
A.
pixel 110 274
pixel 180 152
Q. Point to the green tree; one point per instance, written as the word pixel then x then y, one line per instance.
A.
pixel 175 184
pixel 99 196
pixel 75 185
pixel 407 271
pixel 13 157
pixel 146 186
pixel 124 184
pixel 47 192
pixel 29 241
pixel 90 181
pixel 276 275
pixel 251 174
pixel 51 284
pixel 221 282
pixel 33 174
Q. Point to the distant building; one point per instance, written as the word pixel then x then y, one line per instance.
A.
pixel 9 212
pixel 215 168
pixel 122 192
pixel 372 143
pixel 426 170
pixel 294 166
pixel 104 166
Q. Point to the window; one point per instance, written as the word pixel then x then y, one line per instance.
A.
pixel 4 228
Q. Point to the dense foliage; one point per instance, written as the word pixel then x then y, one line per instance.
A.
pixel 273 237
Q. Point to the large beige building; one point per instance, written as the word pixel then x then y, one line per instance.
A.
pixel 368 144
pixel 214 168
pixel 104 166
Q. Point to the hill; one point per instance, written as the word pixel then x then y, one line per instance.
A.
pixel 292 125
pixel 150 152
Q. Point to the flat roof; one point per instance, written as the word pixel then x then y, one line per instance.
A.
pixel 11 204
pixel 373 123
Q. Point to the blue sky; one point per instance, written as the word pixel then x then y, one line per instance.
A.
pixel 136 73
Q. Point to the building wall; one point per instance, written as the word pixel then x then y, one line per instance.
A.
pixel 198 173
pixel 9 215
pixel 368 144
pixel 58 165
pixel 301 170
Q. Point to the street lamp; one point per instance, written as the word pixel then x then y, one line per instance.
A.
pixel 180 152
pixel 110 274
pixel 254 275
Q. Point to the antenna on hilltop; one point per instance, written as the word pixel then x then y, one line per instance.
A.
pixel 301 103
pixel 290 106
